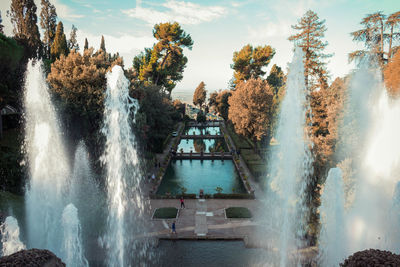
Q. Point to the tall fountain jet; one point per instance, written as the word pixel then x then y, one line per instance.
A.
pixel 369 140
pixel 289 167
pixel 47 162
pixel 332 249
pixel 122 170
pixel 49 187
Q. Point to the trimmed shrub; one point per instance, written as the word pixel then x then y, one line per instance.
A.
pixel 238 213
pixel 165 213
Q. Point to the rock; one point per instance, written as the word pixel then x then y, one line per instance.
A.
pixel 372 257
pixel 32 257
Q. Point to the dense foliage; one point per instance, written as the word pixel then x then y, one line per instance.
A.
pixel 200 94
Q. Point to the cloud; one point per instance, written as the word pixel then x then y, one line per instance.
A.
pixel 179 11
pixel 125 44
pixel 64 11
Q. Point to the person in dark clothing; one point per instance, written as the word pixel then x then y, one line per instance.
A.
pixel 182 203
pixel 173 228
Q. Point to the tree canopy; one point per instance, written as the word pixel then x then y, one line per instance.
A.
pixel 222 104
pixel 392 75
pixel 249 62
pixel 164 63
pixel 23 17
pixel 200 94
pixel 48 21
pixel 59 46
pixel 73 42
pixel 311 31
pixel 251 108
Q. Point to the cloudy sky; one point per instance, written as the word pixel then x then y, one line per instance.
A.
pixel 218 28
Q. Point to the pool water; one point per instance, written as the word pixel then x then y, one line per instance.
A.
pixel 210 253
pixel 214 130
pixel 201 174
pixel 207 145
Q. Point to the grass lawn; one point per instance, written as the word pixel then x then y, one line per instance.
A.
pixel 165 213
pixel 238 212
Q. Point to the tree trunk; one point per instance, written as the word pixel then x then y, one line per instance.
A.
pixel 382 51
pixel 161 67
pixel 390 43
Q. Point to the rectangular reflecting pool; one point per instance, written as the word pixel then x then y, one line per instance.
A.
pixel 211 253
pixel 201 174
pixel 214 130
pixel 207 145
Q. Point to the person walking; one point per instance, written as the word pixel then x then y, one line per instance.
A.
pixel 182 203
pixel 173 228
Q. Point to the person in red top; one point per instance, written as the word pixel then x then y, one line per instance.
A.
pixel 182 203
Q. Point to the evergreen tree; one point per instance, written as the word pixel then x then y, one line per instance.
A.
pixel 249 62
pixel 1 25
pixel 222 104
pixel 23 17
pixel 163 64
pixel 86 46
pixel 59 46
pixel 48 19
pixel 200 94
pixel 102 44
pixel 276 78
pixel 72 42
pixel 312 30
pixel 372 35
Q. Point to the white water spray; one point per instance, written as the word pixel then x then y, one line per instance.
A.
pixel 122 167
pixel 369 136
pixel 48 166
pixel 289 165
pixel 9 232
pixel 72 246
pixel 332 248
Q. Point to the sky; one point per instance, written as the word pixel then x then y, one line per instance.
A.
pixel 217 27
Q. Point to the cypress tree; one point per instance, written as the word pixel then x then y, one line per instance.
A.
pixel 86 46
pixel 48 21
pixel 59 46
pixel 102 44
pixel 73 43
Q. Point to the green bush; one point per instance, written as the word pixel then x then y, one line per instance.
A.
pixel 165 213
pixel 238 212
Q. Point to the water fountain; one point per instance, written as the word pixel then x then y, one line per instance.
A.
pixel 289 166
pixel 48 165
pixel 72 247
pixel 49 187
pixel 125 204
pixel 10 241
pixel 332 247
pixel 369 136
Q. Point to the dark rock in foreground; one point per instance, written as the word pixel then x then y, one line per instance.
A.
pixel 372 257
pixel 32 257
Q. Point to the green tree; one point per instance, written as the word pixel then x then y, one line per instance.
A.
pixel 276 78
pixel 86 46
pixel 200 94
pixel 251 109
pixel 102 44
pixel 222 104
pixel 201 117
pixel 249 62
pixel 23 17
pixel 72 42
pixel 372 35
pixel 59 46
pixel 48 20
pixel 311 31
pixel 163 65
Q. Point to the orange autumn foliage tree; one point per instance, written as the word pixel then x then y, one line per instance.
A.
pixel 251 109
pixel 392 76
